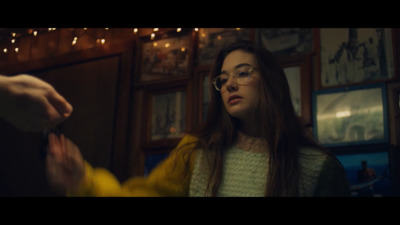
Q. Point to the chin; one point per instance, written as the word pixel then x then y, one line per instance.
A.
pixel 238 114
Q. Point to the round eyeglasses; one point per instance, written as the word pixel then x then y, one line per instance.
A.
pixel 241 76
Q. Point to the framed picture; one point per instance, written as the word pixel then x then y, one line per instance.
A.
pixel 166 57
pixel 355 55
pixel 211 40
pixel 393 90
pixel 202 75
pixel 297 70
pixel 166 115
pixel 286 41
pixel 354 115
pixel 369 173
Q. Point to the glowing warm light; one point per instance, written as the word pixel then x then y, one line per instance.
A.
pixel 13 40
pixel 196 29
pixel 13 34
pixel 179 29
pixel 5 50
pixel 103 41
pixel 155 44
pixel 152 36
pixel 219 37
pixel 167 45
pixel 35 33
pixel 135 30
pixel 183 49
pixel 75 40
pixel 155 29
pixel 16 50
pixel 237 28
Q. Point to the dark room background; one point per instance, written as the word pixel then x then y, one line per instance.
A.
pixel 136 91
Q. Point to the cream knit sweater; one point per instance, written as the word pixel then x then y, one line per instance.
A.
pixel 245 173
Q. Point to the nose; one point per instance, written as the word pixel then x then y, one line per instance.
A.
pixel 231 85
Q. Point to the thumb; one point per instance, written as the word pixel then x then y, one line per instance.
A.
pixel 62 106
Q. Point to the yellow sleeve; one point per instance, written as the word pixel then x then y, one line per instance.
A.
pixel 170 178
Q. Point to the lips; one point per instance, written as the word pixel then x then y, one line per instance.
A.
pixel 234 99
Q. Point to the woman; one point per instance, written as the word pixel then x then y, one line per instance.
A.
pixel 252 144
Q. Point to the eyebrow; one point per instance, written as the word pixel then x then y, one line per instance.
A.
pixel 237 67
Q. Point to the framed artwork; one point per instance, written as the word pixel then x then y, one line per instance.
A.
pixel 286 41
pixel 166 115
pixel 368 173
pixel 164 58
pixel 203 86
pixel 297 70
pixel 351 115
pixel 355 55
pixel 211 40
pixel 393 90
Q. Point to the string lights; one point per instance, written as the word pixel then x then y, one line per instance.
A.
pixel 100 38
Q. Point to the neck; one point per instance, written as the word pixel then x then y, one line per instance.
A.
pixel 251 143
pixel 250 128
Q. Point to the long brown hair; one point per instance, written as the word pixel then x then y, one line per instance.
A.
pixel 282 128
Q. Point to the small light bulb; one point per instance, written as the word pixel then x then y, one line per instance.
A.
pixel 16 50
pixel 178 29
pixel 5 50
pixel 35 33
pixel 13 40
pixel 196 29
pixel 103 41
pixel 13 34
pixel 155 29
pixel 135 30
pixel 75 41
pixel 152 36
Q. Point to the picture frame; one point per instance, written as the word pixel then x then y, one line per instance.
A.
pixel 393 92
pixel 211 40
pixel 370 172
pixel 298 73
pixel 348 116
pixel 353 56
pixel 286 41
pixel 166 57
pixel 202 76
pixel 166 115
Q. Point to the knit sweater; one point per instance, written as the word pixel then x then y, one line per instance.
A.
pixel 244 174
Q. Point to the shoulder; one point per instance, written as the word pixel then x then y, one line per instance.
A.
pixel 330 175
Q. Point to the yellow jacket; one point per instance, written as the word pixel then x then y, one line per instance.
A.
pixel 169 178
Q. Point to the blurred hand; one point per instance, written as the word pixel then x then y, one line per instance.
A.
pixel 65 165
pixel 31 104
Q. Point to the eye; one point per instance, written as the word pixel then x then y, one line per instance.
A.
pixel 243 74
pixel 222 81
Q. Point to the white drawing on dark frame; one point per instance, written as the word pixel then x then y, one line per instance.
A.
pixel 355 55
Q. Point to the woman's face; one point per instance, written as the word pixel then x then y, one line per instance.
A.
pixel 240 100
